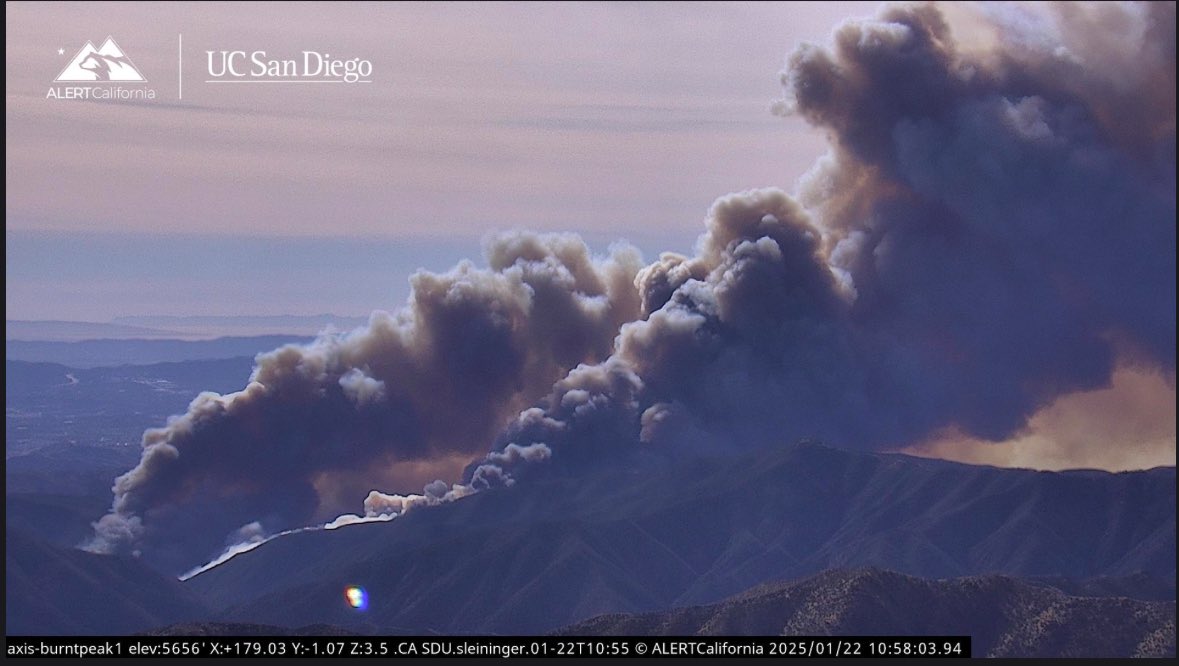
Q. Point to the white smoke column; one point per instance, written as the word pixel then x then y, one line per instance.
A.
pixel 378 508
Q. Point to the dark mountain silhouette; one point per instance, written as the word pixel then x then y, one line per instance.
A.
pixel 556 551
pixel 1005 617
pixel 51 590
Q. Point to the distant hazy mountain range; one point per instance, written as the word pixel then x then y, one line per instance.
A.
pixel 72 331
pixel 1004 616
pixel 115 352
pixel 246 325
pixel 180 328
pixel 146 340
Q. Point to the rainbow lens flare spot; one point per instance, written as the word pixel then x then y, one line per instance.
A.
pixel 356 596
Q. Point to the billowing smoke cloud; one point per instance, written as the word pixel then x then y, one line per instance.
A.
pixel 434 380
pixel 992 229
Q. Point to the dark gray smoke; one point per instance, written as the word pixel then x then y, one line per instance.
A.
pixel 431 382
pixel 993 228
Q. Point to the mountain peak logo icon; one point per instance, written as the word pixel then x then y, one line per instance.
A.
pixel 106 63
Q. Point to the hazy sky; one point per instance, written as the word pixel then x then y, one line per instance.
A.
pixel 613 120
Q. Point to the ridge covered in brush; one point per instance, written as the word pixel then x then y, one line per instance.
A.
pixel 558 551
pixel 1005 617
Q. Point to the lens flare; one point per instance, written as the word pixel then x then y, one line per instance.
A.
pixel 356 596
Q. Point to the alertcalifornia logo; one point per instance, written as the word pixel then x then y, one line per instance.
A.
pixel 106 69
pixel 107 63
pixel 107 73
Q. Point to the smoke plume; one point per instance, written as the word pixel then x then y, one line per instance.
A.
pixel 429 382
pixel 993 228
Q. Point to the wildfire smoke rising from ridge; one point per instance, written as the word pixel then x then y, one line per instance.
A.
pixel 992 230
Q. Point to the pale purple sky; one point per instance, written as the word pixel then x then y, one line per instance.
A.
pixel 615 120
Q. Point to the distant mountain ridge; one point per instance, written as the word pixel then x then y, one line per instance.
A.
pixel 1004 616
pixel 176 327
pixel 73 331
pixel 115 352
pixel 556 551
pixel 286 323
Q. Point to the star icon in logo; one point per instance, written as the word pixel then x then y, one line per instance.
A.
pixel 61 52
